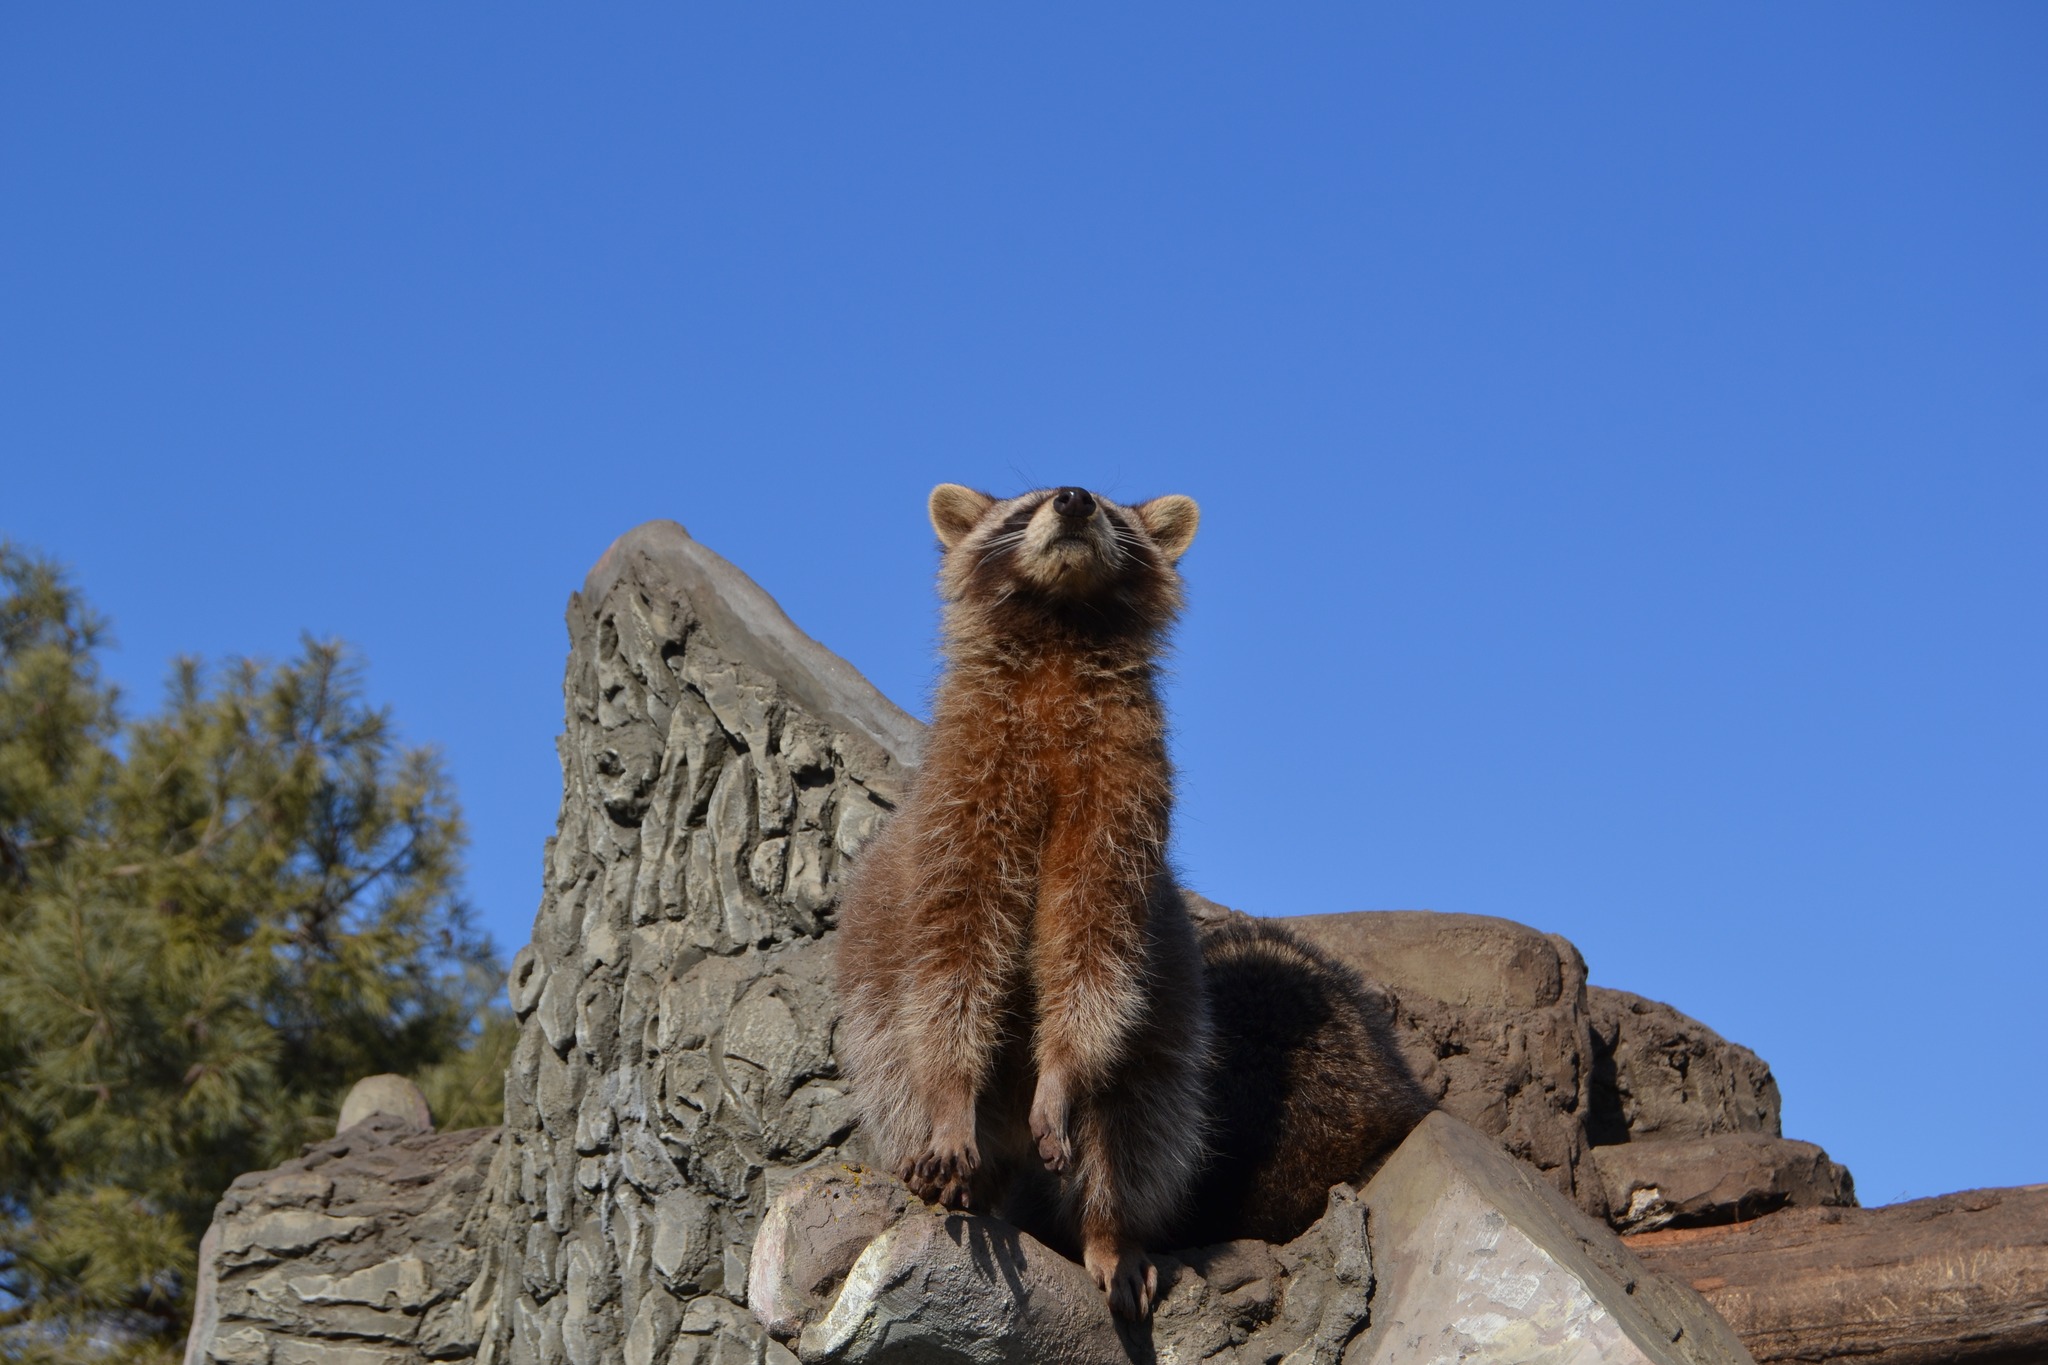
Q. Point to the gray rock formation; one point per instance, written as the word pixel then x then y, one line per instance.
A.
pixel 1659 1074
pixel 1484 1261
pixel 849 1270
pixel 1498 1023
pixel 358 1253
pixel 675 1068
pixel 1725 1178
pixel 815 1228
pixel 1477 1257
pixel 676 1009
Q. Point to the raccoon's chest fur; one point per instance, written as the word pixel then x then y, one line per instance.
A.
pixel 1062 713
pixel 1055 739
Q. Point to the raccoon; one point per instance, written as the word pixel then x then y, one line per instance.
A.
pixel 1022 987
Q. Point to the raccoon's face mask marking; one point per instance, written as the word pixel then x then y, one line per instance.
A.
pixel 1058 544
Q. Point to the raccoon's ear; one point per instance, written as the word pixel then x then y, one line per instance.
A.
pixel 954 511
pixel 1171 522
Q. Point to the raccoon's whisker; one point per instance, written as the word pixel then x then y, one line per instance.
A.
pixel 995 545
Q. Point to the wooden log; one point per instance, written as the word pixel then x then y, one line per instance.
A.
pixel 1958 1278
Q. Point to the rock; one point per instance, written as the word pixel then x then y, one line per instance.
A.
pixel 1498 1023
pixel 953 1287
pixel 394 1096
pixel 810 1237
pixel 361 1239
pixel 718 767
pixel 1483 1260
pixel 1246 1302
pixel 675 1068
pixel 1491 1017
pixel 1726 1178
pixel 1659 1074
pixel 288 1232
pixel 1467 961
pixel 205 1300
pixel 1961 1278
pixel 853 1270
pixel 1478 1258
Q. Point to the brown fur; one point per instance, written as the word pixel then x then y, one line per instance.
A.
pixel 1307 1088
pixel 1021 984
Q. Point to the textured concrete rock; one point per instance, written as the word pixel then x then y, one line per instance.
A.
pixel 362 1250
pixel 675 1005
pixel 1245 1302
pixel 953 1287
pixel 1481 1259
pixel 393 1096
pixel 1726 1178
pixel 852 1272
pixel 1962 1278
pixel 1660 1074
pixel 811 1234
pixel 676 1008
pixel 675 1065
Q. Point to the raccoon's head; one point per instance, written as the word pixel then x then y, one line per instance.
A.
pixel 1064 552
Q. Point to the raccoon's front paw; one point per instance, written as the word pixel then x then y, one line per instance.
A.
pixel 1051 1122
pixel 944 1172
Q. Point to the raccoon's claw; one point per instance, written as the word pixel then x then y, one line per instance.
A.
pixel 1051 1131
pixel 1126 1275
pixel 944 1172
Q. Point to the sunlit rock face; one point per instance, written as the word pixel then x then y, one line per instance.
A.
pixel 718 768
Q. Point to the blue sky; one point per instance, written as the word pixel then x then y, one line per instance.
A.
pixel 1620 430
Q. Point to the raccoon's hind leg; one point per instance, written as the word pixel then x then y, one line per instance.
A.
pixel 1122 1271
pixel 1140 1138
pixel 1137 1147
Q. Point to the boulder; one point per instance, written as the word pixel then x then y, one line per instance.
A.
pixel 393 1096
pixel 929 1285
pixel 1499 1024
pixel 1957 1280
pixel 1481 1259
pixel 938 1287
pixel 1477 1258
pixel 1725 1178
pixel 1659 1074
pixel 1464 961
pixel 811 1234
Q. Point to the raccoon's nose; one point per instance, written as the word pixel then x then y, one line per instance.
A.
pixel 1076 503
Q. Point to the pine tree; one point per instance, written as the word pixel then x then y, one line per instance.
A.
pixel 213 920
